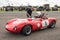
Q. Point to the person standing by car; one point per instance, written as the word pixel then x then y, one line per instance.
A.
pixel 29 12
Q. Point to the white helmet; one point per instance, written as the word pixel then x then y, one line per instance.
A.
pixel 38 13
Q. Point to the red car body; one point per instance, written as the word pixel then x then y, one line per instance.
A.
pixel 16 25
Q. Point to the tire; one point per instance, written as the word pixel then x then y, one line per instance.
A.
pixel 27 30
pixel 52 24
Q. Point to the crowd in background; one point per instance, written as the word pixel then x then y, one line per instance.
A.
pixel 45 7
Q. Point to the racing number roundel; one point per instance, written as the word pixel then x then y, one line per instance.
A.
pixel 45 23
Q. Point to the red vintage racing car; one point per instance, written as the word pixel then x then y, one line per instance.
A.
pixel 26 26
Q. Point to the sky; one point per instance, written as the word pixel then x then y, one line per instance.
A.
pixel 30 2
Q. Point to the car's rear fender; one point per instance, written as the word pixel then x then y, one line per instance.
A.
pixel 52 19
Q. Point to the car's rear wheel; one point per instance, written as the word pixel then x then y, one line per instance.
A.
pixel 27 30
pixel 52 24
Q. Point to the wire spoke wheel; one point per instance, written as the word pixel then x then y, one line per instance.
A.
pixel 52 25
pixel 27 30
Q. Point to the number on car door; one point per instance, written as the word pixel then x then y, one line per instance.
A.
pixel 45 23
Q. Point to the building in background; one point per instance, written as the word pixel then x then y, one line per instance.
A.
pixel 46 7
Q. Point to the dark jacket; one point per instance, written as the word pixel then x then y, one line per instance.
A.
pixel 29 10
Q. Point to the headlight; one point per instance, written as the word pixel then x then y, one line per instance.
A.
pixel 15 28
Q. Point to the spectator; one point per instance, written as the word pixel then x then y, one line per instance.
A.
pixel 29 12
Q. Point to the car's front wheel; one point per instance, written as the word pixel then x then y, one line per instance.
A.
pixel 27 30
pixel 52 24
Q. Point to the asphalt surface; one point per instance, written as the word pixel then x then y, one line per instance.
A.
pixel 47 34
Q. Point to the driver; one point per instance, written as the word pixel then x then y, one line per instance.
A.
pixel 40 15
